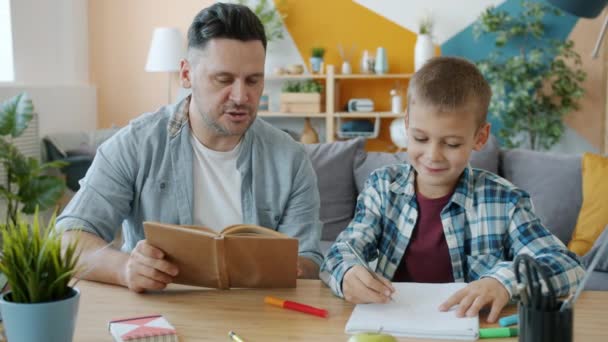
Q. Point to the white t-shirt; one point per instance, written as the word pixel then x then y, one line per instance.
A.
pixel 217 187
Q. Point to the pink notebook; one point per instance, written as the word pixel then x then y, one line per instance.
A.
pixel 141 329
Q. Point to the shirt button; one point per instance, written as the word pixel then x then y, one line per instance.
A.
pixel 276 218
pixel 410 221
pixel 163 185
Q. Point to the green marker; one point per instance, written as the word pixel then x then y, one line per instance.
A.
pixel 498 332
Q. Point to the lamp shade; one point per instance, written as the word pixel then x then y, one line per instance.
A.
pixel 166 50
pixel 581 8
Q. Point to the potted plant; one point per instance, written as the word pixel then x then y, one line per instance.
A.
pixel 271 17
pixel 301 97
pixel 534 88
pixel 316 61
pixel 26 186
pixel 424 48
pixel 41 306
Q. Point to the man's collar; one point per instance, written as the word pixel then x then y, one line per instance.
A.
pixel 179 116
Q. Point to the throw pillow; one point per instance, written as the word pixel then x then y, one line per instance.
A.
pixel 602 264
pixel 553 182
pixel 593 216
pixel 334 164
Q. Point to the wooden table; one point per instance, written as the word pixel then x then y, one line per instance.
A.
pixel 207 315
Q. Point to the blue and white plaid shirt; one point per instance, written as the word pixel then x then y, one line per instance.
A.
pixel 487 222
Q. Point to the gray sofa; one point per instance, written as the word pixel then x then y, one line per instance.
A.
pixel 552 180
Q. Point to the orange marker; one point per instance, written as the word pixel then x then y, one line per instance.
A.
pixel 286 304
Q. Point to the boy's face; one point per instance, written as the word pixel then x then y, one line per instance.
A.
pixel 439 145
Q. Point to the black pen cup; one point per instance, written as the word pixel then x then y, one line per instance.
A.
pixel 545 326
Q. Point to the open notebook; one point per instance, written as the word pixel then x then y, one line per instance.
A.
pixel 414 313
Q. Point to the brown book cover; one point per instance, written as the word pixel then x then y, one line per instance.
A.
pixel 245 256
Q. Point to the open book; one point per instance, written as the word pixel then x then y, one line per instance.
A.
pixel 238 256
pixel 415 313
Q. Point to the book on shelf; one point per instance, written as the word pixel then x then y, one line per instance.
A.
pixel 142 329
pixel 243 256
pixel 414 312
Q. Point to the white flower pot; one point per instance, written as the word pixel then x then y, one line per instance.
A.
pixel 423 51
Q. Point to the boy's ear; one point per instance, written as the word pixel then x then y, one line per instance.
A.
pixel 482 136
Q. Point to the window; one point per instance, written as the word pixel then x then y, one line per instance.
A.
pixel 6 43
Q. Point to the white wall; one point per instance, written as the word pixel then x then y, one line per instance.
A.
pixel 50 48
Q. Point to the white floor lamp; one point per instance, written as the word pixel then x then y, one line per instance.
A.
pixel 166 50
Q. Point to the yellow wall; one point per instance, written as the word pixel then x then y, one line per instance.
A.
pixel 329 23
pixel 120 33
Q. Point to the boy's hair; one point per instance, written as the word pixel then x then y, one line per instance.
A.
pixel 221 20
pixel 450 83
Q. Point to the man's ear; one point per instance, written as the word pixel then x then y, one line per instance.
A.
pixel 185 71
pixel 482 136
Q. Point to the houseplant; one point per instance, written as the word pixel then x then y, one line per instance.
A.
pixel 424 48
pixel 301 97
pixel 536 87
pixel 41 305
pixel 316 59
pixel 26 186
pixel 271 17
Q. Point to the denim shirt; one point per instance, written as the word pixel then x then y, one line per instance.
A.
pixel 144 173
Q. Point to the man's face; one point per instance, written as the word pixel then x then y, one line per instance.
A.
pixel 227 80
pixel 439 146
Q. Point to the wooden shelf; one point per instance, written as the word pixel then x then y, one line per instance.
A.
pixel 295 77
pixel 291 115
pixel 368 115
pixel 372 76
pixel 338 76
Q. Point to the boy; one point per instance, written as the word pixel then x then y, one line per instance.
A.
pixel 437 220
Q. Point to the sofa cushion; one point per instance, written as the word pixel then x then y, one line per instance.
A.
pixel 553 182
pixel 593 216
pixel 365 163
pixel 334 164
pixel 602 264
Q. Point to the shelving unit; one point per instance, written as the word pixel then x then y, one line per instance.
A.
pixel 331 97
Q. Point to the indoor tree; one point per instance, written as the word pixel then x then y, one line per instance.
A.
pixel 535 88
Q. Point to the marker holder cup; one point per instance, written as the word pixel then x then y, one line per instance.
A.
pixel 545 326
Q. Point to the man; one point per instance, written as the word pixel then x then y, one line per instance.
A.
pixel 203 161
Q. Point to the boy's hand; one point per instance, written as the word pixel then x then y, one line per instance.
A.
pixel 359 287
pixel 471 299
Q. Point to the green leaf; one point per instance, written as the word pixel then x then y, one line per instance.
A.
pixel 15 115
pixel 42 191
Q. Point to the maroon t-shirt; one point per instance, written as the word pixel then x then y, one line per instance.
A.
pixel 427 258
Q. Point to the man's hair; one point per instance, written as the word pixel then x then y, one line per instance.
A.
pixel 451 83
pixel 221 20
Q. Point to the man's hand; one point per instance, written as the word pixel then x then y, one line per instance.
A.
pixel 307 269
pixel 480 293
pixel 360 287
pixel 146 269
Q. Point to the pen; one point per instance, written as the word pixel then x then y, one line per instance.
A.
pixel 365 264
pixel 233 336
pixel 498 332
pixel 287 304
pixel 509 320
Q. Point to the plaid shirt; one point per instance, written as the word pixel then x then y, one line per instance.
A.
pixel 487 222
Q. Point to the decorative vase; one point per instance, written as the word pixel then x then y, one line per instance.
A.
pixel 48 321
pixel 424 50
pixel 309 135
pixel 381 65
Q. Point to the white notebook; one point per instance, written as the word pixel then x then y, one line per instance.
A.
pixel 415 313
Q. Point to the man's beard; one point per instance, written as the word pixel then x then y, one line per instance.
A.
pixel 214 124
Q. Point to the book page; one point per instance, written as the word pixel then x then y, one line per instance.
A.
pixel 415 313
pixel 251 230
